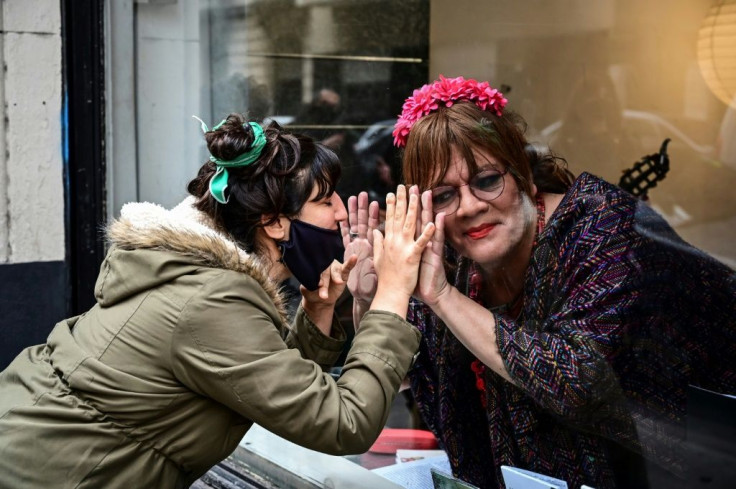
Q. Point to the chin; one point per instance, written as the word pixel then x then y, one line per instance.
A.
pixel 497 252
pixel 489 261
pixel 485 254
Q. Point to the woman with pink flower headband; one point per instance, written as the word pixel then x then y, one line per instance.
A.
pixel 562 318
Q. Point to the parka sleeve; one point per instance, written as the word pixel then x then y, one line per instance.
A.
pixel 306 337
pixel 227 347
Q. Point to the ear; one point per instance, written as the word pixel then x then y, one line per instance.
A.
pixel 534 190
pixel 277 230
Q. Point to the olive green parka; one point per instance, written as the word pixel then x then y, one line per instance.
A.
pixel 186 347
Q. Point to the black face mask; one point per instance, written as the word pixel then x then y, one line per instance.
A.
pixel 309 251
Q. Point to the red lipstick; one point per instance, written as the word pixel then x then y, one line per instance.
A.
pixel 480 231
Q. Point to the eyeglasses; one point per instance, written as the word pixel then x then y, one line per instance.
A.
pixel 485 185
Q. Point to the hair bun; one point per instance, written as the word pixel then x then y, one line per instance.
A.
pixel 231 139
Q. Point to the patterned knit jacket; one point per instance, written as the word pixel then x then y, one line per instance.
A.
pixel 619 315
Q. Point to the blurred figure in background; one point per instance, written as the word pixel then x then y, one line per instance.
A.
pixel 592 134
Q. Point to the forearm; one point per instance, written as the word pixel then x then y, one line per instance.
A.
pixel 581 374
pixel 474 326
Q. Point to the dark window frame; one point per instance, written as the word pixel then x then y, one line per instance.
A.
pixel 82 30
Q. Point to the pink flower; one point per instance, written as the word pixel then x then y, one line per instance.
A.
pixel 447 91
pixel 401 131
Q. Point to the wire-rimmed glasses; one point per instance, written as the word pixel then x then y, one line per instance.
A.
pixel 486 185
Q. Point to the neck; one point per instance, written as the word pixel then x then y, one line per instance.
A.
pixel 504 282
pixel 277 271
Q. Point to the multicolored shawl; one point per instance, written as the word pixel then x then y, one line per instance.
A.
pixel 619 315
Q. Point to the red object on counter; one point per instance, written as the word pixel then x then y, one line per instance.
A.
pixel 392 439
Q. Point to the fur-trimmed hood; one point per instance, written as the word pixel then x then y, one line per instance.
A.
pixel 185 232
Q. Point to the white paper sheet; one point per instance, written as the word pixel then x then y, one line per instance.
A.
pixel 415 474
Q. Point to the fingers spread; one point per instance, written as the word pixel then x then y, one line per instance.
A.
pixel 362 215
pixel 426 207
pixel 390 212
pixel 439 235
pixel 373 213
pixel 427 233
pixel 345 232
pixel 410 222
pixel 353 212
pixel 400 213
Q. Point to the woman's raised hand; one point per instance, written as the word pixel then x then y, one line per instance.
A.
pixel 332 282
pixel 398 253
pixel 358 240
pixel 432 283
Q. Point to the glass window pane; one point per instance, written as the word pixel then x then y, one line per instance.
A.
pixel 332 69
pixel 604 83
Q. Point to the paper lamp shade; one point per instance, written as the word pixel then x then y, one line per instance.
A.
pixel 717 50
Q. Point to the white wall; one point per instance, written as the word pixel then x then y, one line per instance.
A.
pixel 31 164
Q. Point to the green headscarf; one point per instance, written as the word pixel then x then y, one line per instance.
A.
pixel 218 183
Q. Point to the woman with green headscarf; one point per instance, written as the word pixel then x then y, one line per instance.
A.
pixel 188 344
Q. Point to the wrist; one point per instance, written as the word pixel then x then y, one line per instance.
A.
pixel 317 308
pixel 391 300
pixel 443 305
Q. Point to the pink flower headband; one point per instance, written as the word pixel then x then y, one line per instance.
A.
pixel 447 90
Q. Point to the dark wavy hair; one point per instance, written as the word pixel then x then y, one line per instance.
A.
pixel 278 183
pixel 465 127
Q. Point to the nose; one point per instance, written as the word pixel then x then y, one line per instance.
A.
pixel 341 213
pixel 469 204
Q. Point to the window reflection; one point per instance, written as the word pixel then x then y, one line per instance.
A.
pixel 603 84
pixel 333 70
